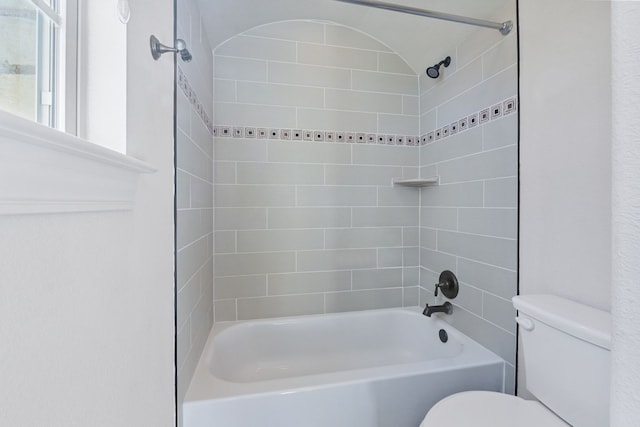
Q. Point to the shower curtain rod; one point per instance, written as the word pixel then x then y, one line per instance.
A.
pixel 504 27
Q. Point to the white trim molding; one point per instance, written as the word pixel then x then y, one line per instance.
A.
pixel 43 170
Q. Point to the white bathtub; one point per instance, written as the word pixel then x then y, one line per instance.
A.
pixel 379 368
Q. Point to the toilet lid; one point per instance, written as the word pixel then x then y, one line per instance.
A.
pixel 489 409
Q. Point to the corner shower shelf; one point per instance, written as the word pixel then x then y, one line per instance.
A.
pixel 418 182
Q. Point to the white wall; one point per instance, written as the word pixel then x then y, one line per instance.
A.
pixel 565 157
pixel 625 400
pixel 565 151
pixel 86 314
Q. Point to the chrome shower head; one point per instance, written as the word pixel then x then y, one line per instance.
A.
pixel 434 71
pixel 181 48
pixel 157 49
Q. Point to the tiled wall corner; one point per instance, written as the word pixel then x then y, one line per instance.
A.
pixel 468 224
pixel 194 195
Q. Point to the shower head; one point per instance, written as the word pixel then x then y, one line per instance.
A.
pixel 157 49
pixel 181 48
pixel 434 72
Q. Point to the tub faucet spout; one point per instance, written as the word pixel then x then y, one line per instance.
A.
pixel 446 308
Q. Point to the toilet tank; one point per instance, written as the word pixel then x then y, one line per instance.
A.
pixel 566 348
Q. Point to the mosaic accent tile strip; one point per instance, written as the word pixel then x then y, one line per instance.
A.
pixel 183 83
pixel 485 115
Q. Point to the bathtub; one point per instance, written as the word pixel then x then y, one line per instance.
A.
pixel 378 368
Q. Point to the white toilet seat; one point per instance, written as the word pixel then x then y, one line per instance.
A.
pixel 489 409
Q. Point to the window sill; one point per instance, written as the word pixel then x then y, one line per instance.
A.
pixel 43 170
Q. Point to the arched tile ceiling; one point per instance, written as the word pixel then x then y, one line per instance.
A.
pixel 420 41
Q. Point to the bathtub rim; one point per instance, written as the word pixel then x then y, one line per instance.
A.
pixel 204 386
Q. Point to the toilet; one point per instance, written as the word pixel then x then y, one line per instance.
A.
pixel 566 348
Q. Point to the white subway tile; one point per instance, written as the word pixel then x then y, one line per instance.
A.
pixel 192 159
pixel 363 237
pixel 239 69
pixel 495 339
pixel 225 242
pixel 500 312
pixel 279 240
pixel 339 259
pixel 258 48
pixel 254 195
pixel 489 222
pixel 367 154
pixel 393 63
pixel 491 91
pixel 183 190
pixel 280 173
pixel 240 218
pixel 309 75
pixel 309 217
pixel 498 163
pixel 255 115
pixel 336 196
pixel 363 101
pixel 377 278
pixel 363 300
pixel 428 238
pixel 224 172
pixel 240 150
pixel 225 90
pixel 398 196
pixel 411 296
pixel 468 194
pixel 201 193
pixel 385 216
pixel 361 175
pixel 410 105
pixel 500 57
pixel 384 82
pixel 501 192
pixel 458 145
pixel 309 152
pixel 411 277
pixel 436 262
pixel 299 31
pixel 463 79
pixel 491 250
pixel 279 306
pixel 489 278
pixel 280 94
pixel 389 257
pixel 398 124
pixel 257 263
pixel 500 133
pixel 225 310
pixel 341 121
pixel 337 56
pixel 440 218
pixel 189 260
pixel 188 297
pixel 240 287
pixel 338 35
pixel 307 283
pixel 410 236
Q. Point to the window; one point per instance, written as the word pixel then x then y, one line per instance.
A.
pixel 38 57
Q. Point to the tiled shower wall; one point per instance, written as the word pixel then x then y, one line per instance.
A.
pixel 313 227
pixel 469 222
pixel 194 195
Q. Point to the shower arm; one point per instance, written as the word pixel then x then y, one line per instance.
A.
pixel 504 27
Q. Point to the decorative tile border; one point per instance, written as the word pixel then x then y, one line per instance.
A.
pixel 183 83
pixel 485 115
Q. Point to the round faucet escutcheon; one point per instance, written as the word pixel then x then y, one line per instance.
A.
pixel 448 283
